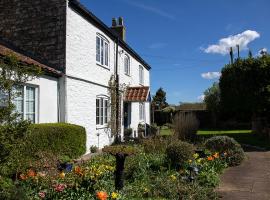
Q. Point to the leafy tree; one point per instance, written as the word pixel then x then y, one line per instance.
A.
pixel 159 100
pixel 13 75
pixel 212 101
pixel 245 87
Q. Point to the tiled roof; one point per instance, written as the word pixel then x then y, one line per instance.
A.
pixel 137 94
pixel 4 51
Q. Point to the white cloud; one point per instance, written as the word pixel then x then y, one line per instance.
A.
pixel 224 44
pixel 201 97
pixel 211 75
pixel 262 51
pixel 152 9
pixel 158 45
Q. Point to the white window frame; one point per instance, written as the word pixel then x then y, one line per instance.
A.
pixel 102 118
pixel 141 75
pixel 127 65
pixel 142 111
pixel 36 102
pixel 102 54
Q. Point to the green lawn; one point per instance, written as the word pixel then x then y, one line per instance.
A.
pixel 242 136
pixel 166 131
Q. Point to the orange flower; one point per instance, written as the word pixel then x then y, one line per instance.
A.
pixel 31 173
pixel 23 177
pixel 210 158
pixel 62 175
pixel 78 170
pixel 102 195
pixel 216 155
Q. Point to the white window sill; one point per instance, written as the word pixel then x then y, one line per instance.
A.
pixel 103 66
pixel 128 75
pixel 102 126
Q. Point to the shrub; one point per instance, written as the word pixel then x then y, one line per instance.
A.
pixel 157 144
pixel 225 144
pixel 178 153
pixel 93 149
pixel 186 125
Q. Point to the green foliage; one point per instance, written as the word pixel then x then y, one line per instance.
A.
pixel 159 100
pixel 178 153
pixel 120 149
pixel 60 138
pixel 244 87
pixel 157 144
pixel 225 144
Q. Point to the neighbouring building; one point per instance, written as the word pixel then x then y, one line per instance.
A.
pixel 80 54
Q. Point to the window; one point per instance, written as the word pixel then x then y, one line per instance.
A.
pixel 141 111
pixel 141 75
pixel 25 102
pixel 102 104
pixel 102 51
pixel 127 65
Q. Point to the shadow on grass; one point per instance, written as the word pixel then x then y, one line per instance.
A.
pixel 246 138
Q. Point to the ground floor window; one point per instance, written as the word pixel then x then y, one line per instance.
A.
pixel 142 111
pixel 102 109
pixel 25 102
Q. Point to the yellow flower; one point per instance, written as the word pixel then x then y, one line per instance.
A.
pixel 190 161
pixel 216 155
pixel 114 195
pixel 195 156
pixel 173 177
pixel 199 160
pixel 62 175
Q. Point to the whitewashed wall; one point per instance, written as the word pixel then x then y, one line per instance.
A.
pixel 86 79
pixel 47 99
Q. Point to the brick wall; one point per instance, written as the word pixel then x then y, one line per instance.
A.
pixel 37 27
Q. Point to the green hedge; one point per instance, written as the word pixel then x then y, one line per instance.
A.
pixel 59 138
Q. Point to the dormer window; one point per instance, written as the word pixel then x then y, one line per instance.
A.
pixel 102 51
pixel 127 65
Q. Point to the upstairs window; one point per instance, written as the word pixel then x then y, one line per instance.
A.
pixel 102 51
pixel 141 75
pixel 102 105
pixel 127 65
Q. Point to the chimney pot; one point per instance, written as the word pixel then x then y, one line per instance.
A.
pixel 120 21
pixel 114 23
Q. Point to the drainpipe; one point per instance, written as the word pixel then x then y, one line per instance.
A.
pixel 118 139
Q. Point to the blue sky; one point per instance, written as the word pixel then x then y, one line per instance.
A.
pixel 181 39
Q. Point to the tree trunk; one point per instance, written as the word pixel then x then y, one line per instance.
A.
pixel 119 172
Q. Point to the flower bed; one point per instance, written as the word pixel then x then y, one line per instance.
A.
pixel 147 176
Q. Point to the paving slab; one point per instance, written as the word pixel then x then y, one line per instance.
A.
pixel 249 181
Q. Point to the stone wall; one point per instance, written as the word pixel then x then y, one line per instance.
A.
pixel 37 27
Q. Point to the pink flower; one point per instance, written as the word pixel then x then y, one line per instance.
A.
pixel 42 195
pixel 59 187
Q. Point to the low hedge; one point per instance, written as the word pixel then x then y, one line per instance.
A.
pixel 59 138
pixel 40 140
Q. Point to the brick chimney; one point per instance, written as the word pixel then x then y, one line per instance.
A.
pixel 119 28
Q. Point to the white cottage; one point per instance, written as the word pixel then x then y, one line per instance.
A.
pixel 83 54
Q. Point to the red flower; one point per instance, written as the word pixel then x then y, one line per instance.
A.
pixel 59 187
pixel 31 173
pixel 42 195
pixel 210 158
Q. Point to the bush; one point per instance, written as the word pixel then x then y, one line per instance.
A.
pixel 178 153
pixel 157 144
pixel 186 125
pixel 55 139
pixel 225 144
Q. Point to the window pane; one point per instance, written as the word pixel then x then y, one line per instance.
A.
pixel 97 111
pixel 18 100
pixel 141 75
pixel 102 51
pixel 101 112
pixel 126 65
pixel 30 104
pixel 98 49
pixel 3 99
pixel 106 54
pixel 106 112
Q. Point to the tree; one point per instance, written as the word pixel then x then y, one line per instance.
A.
pixel 159 100
pixel 245 87
pixel 212 101
pixel 13 75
